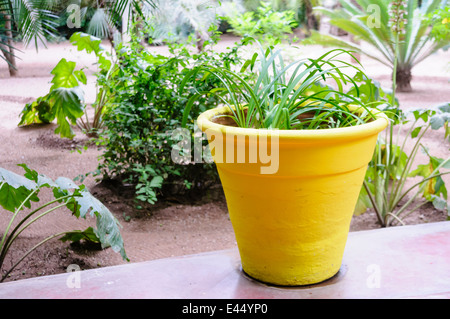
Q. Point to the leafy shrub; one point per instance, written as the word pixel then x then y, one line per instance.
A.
pixel 440 20
pixel 264 24
pixel 146 110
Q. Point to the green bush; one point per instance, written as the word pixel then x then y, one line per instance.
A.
pixel 265 24
pixel 146 109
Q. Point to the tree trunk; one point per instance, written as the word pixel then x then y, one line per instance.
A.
pixel 311 21
pixel 200 40
pixel 404 79
pixel 8 50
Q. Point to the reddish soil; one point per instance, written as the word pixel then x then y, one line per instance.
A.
pixel 170 228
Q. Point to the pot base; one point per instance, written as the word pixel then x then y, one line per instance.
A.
pixel 325 282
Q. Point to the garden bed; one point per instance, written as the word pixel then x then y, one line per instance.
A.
pixel 174 226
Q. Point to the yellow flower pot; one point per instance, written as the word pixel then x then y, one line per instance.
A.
pixel 291 194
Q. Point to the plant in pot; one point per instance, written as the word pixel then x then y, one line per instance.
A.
pixel 291 152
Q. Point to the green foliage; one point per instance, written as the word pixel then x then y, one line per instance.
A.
pixel 33 21
pixel 290 96
pixel 18 192
pixel 299 7
pixel 65 100
pixel 385 187
pixel 98 18
pixel 105 67
pixel 370 22
pixel 265 24
pixel 385 184
pixel 440 20
pixel 75 236
pixel 146 109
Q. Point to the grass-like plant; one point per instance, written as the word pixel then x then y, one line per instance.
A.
pixel 289 96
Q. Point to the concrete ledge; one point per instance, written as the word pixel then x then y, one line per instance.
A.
pixel 397 262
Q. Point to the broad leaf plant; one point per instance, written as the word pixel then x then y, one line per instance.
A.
pixel 65 101
pixel 19 193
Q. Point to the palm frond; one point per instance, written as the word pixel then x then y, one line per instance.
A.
pixel 121 7
pixel 99 24
pixel 33 19
pixel 177 19
pixel 335 41
pixel 415 44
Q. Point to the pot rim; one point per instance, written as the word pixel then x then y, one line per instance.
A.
pixel 204 122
